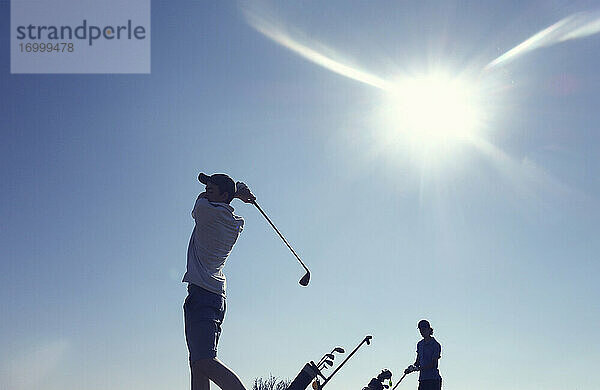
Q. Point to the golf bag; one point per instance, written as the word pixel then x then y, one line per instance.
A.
pixel 304 377
pixel 377 382
pixel 311 372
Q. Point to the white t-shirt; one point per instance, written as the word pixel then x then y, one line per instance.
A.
pixel 214 235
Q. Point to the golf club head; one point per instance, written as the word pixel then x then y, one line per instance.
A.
pixel 339 350
pixel 329 363
pixel 330 356
pixel 305 279
pixel 368 339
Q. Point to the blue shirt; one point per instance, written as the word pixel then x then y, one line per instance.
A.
pixel 428 352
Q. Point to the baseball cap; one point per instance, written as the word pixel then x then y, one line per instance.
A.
pixel 423 324
pixel 221 180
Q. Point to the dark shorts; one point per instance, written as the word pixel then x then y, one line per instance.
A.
pixel 203 312
pixel 430 384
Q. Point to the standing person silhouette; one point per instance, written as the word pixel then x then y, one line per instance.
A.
pixel 215 232
pixel 429 351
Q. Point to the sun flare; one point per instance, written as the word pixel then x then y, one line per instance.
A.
pixel 434 111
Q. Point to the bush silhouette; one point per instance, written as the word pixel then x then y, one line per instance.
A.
pixel 271 383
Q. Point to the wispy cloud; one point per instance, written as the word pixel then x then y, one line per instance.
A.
pixel 574 26
pixel 325 57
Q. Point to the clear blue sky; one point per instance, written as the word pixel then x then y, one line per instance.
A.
pixel 497 247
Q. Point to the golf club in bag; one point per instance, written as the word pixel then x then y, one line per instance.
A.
pixel 327 359
pixel 377 383
pixel 312 372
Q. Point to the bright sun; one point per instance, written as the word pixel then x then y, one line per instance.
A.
pixel 434 112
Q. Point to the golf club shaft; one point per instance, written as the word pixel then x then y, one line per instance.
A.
pixel 280 235
pixel 365 340
pixel 394 388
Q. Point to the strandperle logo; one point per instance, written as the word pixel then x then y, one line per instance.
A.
pixel 80 36
pixel 84 31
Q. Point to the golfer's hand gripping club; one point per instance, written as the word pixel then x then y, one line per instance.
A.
pixel 410 369
pixel 243 193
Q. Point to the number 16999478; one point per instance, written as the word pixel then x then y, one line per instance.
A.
pixel 59 47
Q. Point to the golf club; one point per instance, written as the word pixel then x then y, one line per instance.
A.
pixel 306 278
pixel 324 360
pixel 330 355
pixel 396 385
pixel 311 372
pixel 367 340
